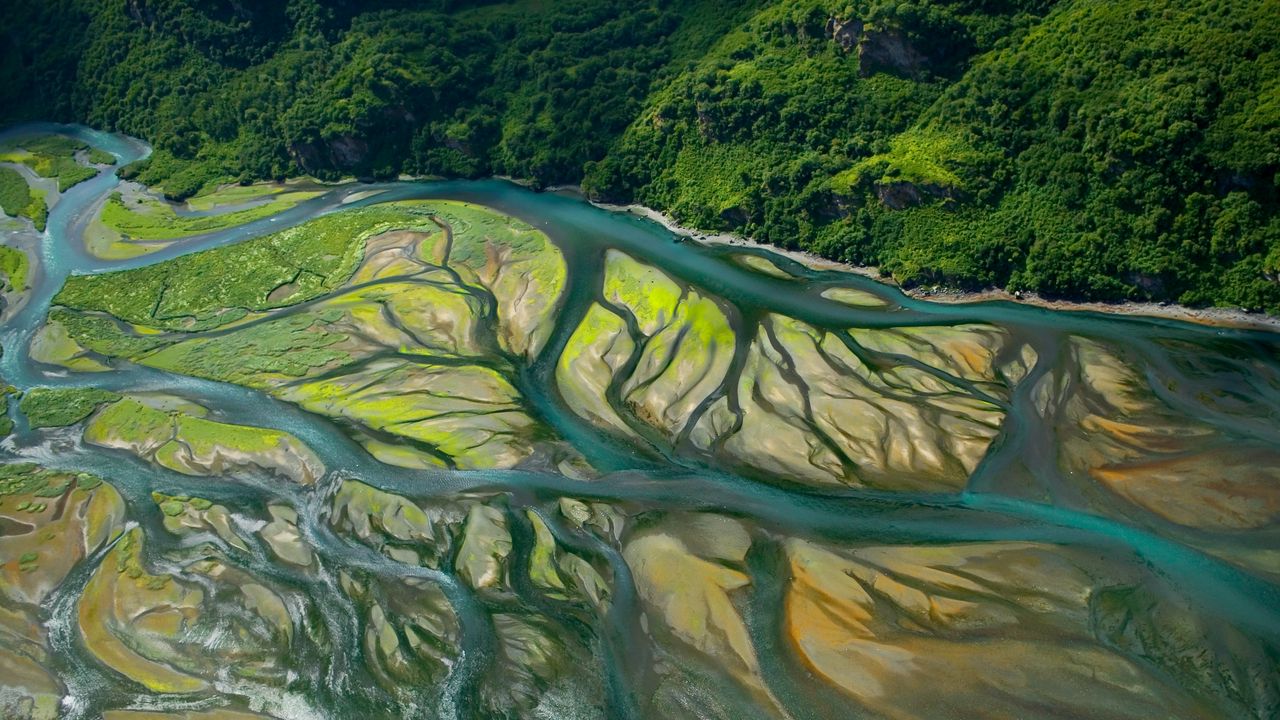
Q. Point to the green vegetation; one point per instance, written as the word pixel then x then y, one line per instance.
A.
pixel 100 157
pixel 15 196
pixel 205 437
pixel 394 348
pixel 17 199
pixel 38 210
pixel 6 422
pixel 103 335
pixel 1106 151
pixel 923 157
pixel 132 422
pixel 58 407
pixel 1122 150
pixel 227 92
pixel 14 268
pixel 175 505
pixel 219 286
pixel 193 445
pixel 50 156
pixel 31 479
pixel 151 219
pixel 290 346
pixel 212 198
pixel 68 176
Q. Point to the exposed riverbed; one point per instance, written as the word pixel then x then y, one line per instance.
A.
pixel 697 481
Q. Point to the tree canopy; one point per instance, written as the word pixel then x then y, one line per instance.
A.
pixel 1120 150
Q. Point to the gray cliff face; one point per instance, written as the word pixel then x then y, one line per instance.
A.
pixel 348 151
pixel 878 49
pixel 846 33
pixel 889 51
pixel 345 152
pixel 901 194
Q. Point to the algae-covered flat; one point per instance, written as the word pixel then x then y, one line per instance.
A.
pixel 142 217
pixel 347 315
pixel 52 521
pixel 182 441
pixel 602 479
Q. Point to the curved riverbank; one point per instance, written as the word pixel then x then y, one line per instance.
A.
pixel 1216 316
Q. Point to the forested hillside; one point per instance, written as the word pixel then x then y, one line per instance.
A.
pixel 1106 150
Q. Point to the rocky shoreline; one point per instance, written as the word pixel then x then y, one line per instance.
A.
pixel 1216 316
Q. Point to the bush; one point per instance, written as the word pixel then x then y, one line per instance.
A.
pixel 58 407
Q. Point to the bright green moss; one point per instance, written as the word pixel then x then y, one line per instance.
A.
pixel 925 156
pixel 13 265
pixel 214 287
pixel 290 346
pixel 216 197
pixel 203 436
pixel 150 219
pixel 51 156
pixel 131 422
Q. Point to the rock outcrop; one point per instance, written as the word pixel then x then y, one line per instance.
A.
pixel 879 49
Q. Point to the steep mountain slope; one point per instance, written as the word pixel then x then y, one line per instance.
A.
pixel 1125 150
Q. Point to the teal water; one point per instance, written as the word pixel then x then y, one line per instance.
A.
pixel 1018 493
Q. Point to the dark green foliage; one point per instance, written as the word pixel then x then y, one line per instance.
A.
pixel 1119 150
pixel 100 157
pixel 103 334
pixel 1097 150
pixel 15 196
pixel 178 178
pixel 54 156
pixel 29 478
pixel 52 145
pixel 229 91
pixel 6 423
pixel 17 200
pixel 59 407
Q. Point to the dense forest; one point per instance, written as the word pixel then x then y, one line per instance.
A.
pixel 1100 150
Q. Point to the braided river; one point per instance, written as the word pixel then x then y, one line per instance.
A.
pixel 698 481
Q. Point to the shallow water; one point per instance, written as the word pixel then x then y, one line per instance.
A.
pixel 1036 483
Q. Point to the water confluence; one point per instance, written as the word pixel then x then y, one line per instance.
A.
pixel 1185 362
